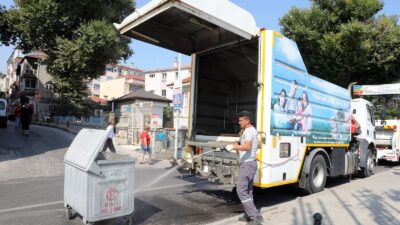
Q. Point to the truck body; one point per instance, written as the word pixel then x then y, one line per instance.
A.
pixel 387 140
pixel 302 120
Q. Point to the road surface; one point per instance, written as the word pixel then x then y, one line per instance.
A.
pixel 31 187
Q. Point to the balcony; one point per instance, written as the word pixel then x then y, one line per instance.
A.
pixel 28 74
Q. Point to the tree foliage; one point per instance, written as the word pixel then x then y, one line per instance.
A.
pixel 345 41
pixel 77 35
pixel 7 34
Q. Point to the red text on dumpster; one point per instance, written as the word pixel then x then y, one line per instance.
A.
pixel 112 201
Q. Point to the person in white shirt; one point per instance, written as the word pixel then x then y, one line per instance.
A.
pixel 110 135
pixel 247 150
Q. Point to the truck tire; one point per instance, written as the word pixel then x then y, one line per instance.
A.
pixel 369 169
pixel 317 175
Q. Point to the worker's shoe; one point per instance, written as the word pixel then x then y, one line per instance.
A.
pixel 244 218
pixel 256 221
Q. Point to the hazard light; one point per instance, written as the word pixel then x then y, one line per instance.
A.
pixel 392 127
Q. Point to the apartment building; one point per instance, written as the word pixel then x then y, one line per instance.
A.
pixel 12 78
pixel 156 80
pixel 113 89
pixel 2 85
pixel 32 83
pixel 112 72
pixel 184 113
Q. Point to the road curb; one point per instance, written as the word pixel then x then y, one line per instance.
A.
pixel 53 126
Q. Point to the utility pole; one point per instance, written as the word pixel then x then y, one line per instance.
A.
pixel 37 94
pixel 177 101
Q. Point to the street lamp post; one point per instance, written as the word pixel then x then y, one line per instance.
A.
pixel 37 94
pixel 179 103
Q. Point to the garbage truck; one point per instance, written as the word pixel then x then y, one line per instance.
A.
pixel 387 140
pixel 303 121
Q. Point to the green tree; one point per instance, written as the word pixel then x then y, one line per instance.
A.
pixel 168 116
pixel 345 41
pixel 6 30
pixel 77 35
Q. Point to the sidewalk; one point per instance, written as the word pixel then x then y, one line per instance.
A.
pixel 131 150
pixel 72 128
pixel 375 200
pixel 134 151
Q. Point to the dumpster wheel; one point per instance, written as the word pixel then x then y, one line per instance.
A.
pixel 68 213
pixel 129 220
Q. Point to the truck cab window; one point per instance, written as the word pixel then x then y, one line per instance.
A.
pixel 370 115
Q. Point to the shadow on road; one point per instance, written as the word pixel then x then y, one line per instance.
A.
pixel 14 145
pixel 220 202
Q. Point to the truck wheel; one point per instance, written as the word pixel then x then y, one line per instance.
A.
pixel 317 175
pixel 369 169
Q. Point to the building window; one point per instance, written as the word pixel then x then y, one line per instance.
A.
pixel 105 96
pixel 109 78
pixel 164 77
pixel 185 100
pixel 96 87
pixel 30 83
pixel 164 93
pixel 109 68
pixel 49 86
pixel 96 95
pixel 134 88
pixel 176 75
pixel 28 71
pixel 152 75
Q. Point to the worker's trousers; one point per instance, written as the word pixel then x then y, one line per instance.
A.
pixel 245 188
pixel 109 144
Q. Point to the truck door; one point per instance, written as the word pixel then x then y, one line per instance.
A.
pixel 370 123
pixel 189 26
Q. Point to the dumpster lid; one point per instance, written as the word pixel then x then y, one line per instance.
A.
pixel 84 149
pixel 189 26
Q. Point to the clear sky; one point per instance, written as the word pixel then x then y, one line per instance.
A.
pixel 266 13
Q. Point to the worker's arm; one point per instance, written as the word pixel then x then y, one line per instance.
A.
pixel 244 147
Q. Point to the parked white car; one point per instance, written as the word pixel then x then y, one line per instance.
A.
pixel 3 113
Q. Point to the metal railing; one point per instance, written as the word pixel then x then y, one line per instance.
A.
pixel 92 121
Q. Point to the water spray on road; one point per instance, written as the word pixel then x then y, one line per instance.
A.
pixel 174 168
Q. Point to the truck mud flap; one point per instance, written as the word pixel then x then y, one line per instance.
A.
pixel 364 144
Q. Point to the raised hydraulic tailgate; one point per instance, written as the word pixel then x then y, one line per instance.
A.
pixel 189 26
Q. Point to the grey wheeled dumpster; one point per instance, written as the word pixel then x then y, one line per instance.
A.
pixel 97 185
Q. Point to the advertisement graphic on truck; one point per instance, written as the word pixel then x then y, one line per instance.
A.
pixel 304 105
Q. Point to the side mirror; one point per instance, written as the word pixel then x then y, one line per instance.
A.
pixel 382 116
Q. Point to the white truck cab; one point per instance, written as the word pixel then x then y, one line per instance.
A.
pixel 363 112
